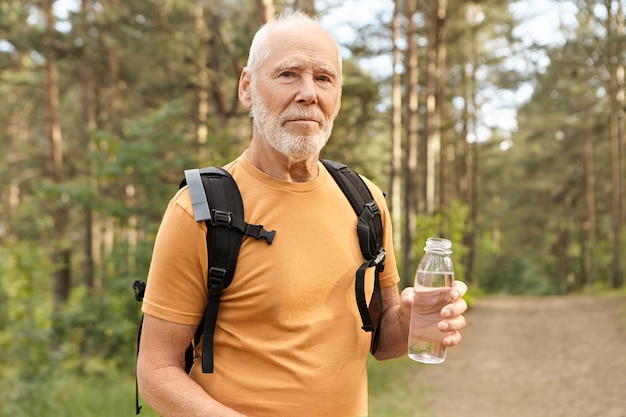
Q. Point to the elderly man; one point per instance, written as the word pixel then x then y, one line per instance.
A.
pixel 289 340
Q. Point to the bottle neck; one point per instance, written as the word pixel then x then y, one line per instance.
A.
pixel 437 251
pixel 438 246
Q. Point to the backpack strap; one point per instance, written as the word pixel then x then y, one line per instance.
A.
pixel 217 201
pixel 139 287
pixel 370 233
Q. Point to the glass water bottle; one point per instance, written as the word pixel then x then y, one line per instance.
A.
pixel 434 273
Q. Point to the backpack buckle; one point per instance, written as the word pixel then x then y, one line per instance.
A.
pixel 216 280
pixel 140 288
pixel 379 261
pixel 258 232
pixel 373 208
pixel 222 218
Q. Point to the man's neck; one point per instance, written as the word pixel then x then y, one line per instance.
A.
pixel 279 166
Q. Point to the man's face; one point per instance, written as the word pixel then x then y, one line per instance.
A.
pixel 295 94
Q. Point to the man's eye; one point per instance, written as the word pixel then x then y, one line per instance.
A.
pixel 324 78
pixel 287 74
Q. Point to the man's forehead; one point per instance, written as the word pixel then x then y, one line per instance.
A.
pixel 308 37
pixel 302 63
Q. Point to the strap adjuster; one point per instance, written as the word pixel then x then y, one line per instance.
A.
pixel 216 280
pixel 373 208
pixel 222 218
pixel 380 258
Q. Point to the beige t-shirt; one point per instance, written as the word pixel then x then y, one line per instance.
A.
pixel 288 340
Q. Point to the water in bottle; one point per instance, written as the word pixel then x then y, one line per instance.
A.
pixel 434 275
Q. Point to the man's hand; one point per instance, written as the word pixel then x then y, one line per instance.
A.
pixel 441 312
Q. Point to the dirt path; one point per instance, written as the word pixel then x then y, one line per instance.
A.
pixel 535 357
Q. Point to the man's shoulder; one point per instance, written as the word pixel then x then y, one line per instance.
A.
pixel 182 201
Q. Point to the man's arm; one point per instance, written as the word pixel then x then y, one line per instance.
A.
pixel 397 315
pixel 162 379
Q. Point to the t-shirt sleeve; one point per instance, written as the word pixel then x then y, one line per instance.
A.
pixel 176 288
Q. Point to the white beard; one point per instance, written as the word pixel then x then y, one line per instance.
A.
pixel 296 147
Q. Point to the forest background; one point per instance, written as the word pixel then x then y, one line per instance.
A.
pixel 511 148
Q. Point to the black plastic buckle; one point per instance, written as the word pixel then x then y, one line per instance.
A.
pixel 258 232
pixel 140 288
pixel 216 280
pixel 222 218
pixel 370 211
pixel 380 258
pixel 373 208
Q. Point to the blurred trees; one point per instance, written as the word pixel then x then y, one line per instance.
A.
pixel 104 107
pixel 559 193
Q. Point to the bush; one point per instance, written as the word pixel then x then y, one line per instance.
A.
pixel 505 275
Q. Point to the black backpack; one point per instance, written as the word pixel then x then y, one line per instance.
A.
pixel 216 200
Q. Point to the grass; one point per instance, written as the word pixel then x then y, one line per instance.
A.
pixel 395 389
pixel 106 396
pixel 102 394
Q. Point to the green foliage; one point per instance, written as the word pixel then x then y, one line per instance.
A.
pixel 28 364
pixel 451 223
pixel 359 137
pixel 101 344
pixel 503 274
pixel 110 394
pixel 43 352
pixel 106 394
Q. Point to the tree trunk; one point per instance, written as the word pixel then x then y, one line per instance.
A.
pixel 52 85
pixel 265 10
pixel 589 224
pixel 308 6
pixel 396 132
pixel 445 158
pixel 54 127
pixel 471 238
pixel 115 104
pixel 18 132
pixel 471 151
pixel 202 89
pixel 411 126
pixel 621 105
pixel 616 92
pixel 433 122
pixel 89 126
pixel 621 140
pixel 464 153
pixel 61 257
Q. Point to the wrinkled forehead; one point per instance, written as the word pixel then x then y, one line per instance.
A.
pixel 305 40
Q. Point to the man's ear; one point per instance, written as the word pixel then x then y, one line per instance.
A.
pixel 244 89
pixel 338 105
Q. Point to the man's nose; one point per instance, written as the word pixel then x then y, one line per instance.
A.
pixel 307 91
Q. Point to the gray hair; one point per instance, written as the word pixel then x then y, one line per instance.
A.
pixel 259 49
